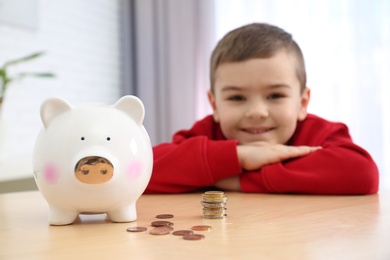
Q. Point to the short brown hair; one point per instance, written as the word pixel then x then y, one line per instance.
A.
pixel 257 40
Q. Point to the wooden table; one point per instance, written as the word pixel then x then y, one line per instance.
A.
pixel 258 226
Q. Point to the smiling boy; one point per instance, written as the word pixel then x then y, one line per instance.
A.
pixel 260 137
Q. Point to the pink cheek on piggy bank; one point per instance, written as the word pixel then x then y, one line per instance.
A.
pixel 134 170
pixel 50 173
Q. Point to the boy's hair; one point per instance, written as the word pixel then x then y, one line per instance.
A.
pixel 257 40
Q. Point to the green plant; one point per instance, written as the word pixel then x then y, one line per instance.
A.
pixel 6 79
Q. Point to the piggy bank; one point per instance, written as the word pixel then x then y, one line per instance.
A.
pixel 92 159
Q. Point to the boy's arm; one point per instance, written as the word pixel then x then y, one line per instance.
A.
pixel 340 167
pixel 254 156
pixel 191 164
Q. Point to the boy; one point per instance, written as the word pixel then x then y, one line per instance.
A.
pixel 260 137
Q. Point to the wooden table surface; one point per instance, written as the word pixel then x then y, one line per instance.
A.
pixel 258 226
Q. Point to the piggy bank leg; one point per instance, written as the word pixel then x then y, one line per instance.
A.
pixel 124 214
pixel 59 217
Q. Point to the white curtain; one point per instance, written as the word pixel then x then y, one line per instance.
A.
pixel 346 44
pixel 171 47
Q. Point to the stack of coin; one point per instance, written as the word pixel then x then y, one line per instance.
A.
pixel 214 205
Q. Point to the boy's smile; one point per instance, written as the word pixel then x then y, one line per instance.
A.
pixel 259 100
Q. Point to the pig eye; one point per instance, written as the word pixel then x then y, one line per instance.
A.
pixel 108 138
pixel 82 138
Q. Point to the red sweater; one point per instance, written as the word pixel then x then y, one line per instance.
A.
pixel 200 156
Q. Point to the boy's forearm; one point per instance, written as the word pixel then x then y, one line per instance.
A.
pixel 193 164
pixel 256 155
pixel 329 171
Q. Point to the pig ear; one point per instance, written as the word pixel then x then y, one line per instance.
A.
pixel 132 106
pixel 51 108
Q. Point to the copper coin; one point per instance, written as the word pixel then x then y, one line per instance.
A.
pixel 161 223
pixel 164 216
pixel 193 237
pixel 201 228
pixel 160 231
pixel 136 229
pixel 182 232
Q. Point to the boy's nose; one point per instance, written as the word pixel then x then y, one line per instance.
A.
pixel 257 110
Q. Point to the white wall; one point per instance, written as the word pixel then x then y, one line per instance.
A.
pixel 82 42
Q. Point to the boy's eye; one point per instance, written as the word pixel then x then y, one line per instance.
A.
pixel 275 96
pixel 236 98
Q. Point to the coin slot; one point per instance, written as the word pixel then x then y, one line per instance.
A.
pixel 94 170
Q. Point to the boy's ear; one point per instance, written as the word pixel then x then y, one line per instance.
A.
pixel 213 105
pixel 305 99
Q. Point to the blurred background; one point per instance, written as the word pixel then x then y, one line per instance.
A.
pixel 159 50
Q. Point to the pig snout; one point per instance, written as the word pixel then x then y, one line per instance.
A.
pixel 94 170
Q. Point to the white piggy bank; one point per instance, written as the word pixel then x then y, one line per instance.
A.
pixel 92 159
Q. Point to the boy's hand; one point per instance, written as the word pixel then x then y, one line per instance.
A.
pixel 255 155
pixel 229 184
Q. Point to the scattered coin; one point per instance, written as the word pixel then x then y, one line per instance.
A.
pixel 164 216
pixel 136 229
pixel 160 231
pixel 193 237
pixel 161 223
pixel 182 232
pixel 201 228
pixel 213 203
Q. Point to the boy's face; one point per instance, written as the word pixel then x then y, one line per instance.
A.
pixel 259 100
